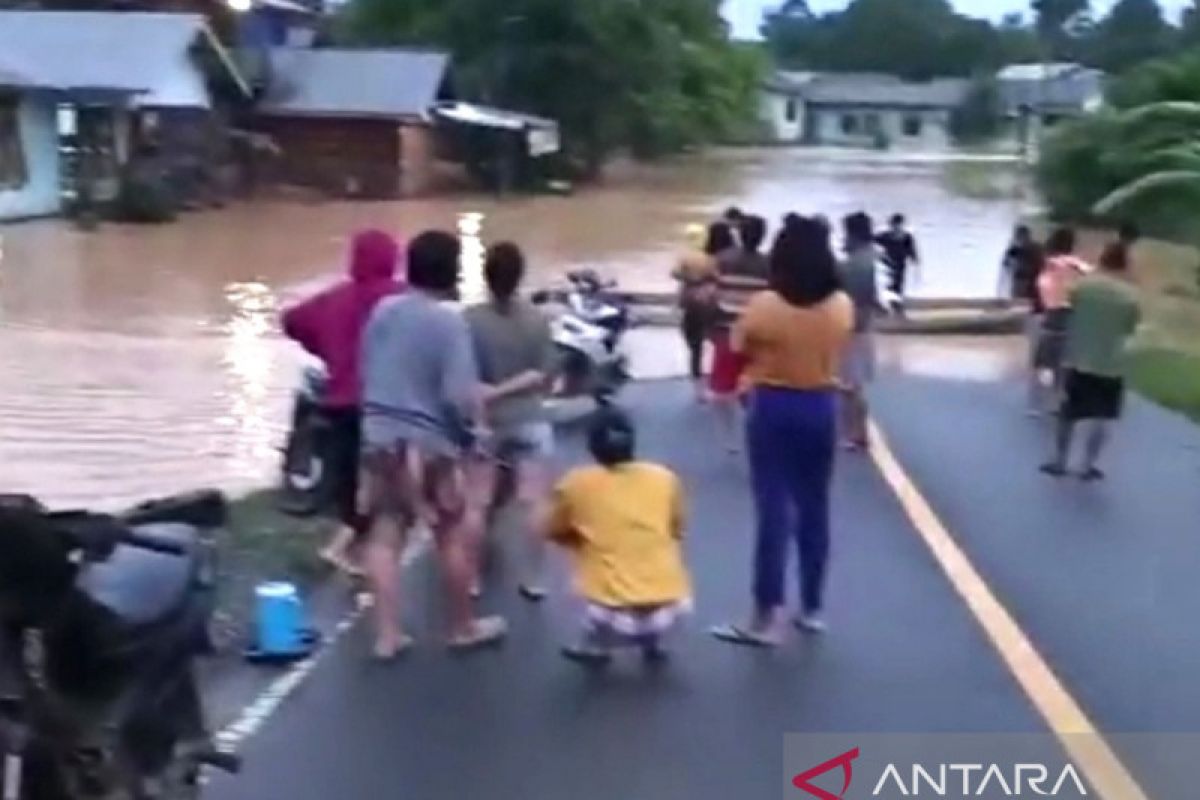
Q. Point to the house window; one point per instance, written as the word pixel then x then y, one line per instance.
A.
pixel 913 124
pixel 790 111
pixel 874 126
pixel 13 172
pixel 849 124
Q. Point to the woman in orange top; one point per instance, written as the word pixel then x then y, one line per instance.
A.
pixel 792 337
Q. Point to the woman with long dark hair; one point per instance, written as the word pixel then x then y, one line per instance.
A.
pixel 792 338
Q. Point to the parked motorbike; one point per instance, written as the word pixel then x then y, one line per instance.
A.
pixel 588 336
pixel 101 619
pixel 303 475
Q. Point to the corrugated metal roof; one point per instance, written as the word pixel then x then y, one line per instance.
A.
pixel 387 84
pixel 1036 72
pixel 788 81
pixel 885 90
pixel 1069 88
pixel 142 53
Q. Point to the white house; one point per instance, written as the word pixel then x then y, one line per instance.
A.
pixel 861 110
pixel 124 73
pixel 783 105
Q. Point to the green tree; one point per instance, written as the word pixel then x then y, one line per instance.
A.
pixel 914 38
pixel 1018 41
pixel 650 76
pixel 1133 32
pixel 1058 25
pixel 979 117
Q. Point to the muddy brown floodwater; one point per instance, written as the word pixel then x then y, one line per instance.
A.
pixel 139 360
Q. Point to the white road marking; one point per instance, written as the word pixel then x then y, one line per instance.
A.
pixel 256 715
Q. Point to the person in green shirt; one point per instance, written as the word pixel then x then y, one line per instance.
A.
pixel 1104 315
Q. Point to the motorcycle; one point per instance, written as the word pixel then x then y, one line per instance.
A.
pixel 101 620
pixel 303 474
pixel 588 336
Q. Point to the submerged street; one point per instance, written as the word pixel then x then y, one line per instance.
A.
pixel 1099 578
pixel 140 360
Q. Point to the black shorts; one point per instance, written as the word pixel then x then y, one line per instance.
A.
pixel 1089 396
pixel 340 448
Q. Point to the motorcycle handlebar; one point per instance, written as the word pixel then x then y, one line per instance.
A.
pixel 153 544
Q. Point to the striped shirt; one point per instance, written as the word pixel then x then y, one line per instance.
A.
pixel 740 276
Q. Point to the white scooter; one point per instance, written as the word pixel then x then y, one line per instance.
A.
pixel 303 473
pixel 588 335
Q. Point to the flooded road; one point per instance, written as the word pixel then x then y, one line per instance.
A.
pixel 137 360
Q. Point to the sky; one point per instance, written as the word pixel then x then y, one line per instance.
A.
pixel 746 14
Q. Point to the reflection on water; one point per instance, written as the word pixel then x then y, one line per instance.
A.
pixel 137 360
pixel 473 287
pixel 250 360
pixel 979 359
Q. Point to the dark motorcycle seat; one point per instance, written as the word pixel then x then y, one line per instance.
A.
pixel 141 587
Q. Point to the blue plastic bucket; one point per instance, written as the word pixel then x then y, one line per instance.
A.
pixel 279 615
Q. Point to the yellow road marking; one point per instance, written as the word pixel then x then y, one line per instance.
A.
pixel 1079 737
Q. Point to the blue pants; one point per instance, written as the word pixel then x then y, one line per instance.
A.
pixel 791 441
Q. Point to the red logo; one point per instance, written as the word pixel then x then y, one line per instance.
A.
pixel 803 781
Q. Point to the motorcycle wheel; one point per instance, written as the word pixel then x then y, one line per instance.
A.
pixel 572 374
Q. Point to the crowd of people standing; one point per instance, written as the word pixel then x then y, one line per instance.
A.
pixel 438 413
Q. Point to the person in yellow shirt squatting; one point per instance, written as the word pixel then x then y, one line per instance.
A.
pixel 623 522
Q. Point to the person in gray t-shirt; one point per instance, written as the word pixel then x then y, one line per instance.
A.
pixel 516 357
pixel 421 399
pixel 860 275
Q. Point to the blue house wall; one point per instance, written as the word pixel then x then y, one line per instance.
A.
pixel 40 196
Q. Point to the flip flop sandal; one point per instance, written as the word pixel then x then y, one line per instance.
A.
pixel 1092 475
pixel 534 594
pixel 587 656
pixel 484 632
pixel 1054 470
pixel 734 634
pixel 402 648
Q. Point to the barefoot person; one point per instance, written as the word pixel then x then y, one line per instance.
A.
pixel 421 398
pixel 793 337
pixel 1104 314
pixel 860 275
pixel 329 325
pixel 516 361
pixel 623 522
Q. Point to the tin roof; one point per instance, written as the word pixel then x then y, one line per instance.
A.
pixel 142 53
pixel 386 84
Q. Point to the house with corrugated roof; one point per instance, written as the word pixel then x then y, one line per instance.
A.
pixel 861 109
pixel 1050 92
pixel 378 124
pixel 82 92
pixel 354 123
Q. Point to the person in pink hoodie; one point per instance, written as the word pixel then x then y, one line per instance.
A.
pixel 330 326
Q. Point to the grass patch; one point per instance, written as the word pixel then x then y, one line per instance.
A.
pixel 981 180
pixel 262 544
pixel 1168 377
pixel 1164 359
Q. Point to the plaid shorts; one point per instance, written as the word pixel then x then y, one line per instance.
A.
pixel 402 482
pixel 635 621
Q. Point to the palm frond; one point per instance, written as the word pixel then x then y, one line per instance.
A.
pixel 1144 185
pixel 1169 111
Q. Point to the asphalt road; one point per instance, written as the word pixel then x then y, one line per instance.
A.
pixel 1103 579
